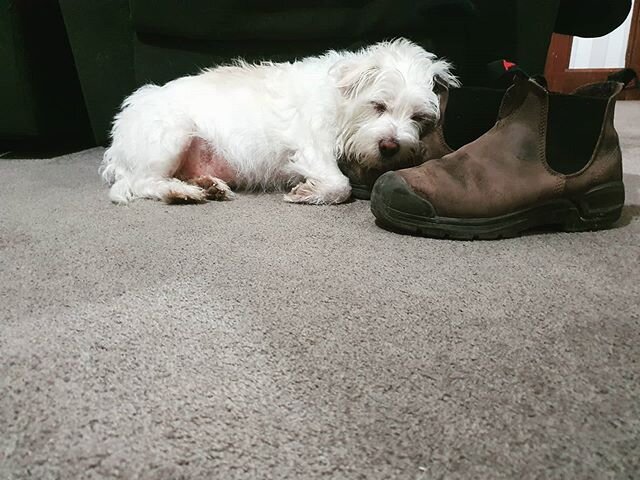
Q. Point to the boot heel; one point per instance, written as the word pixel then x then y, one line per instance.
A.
pixel 596 209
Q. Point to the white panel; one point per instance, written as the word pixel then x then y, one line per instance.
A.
pixel 580 53
pixel 603 52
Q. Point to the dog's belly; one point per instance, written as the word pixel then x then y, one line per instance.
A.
pixel 200 159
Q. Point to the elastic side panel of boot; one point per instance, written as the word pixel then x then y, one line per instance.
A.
pixel 471 112
pixel 573 128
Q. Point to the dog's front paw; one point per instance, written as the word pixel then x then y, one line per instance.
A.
pixel 304 192
pixel 316 193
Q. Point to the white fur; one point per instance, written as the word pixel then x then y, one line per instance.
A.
pixel 277 124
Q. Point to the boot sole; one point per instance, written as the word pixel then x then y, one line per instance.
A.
pixel 596 209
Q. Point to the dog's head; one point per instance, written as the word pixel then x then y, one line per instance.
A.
pixel 390 97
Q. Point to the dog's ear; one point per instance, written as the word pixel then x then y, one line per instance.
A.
pixel 353 74
pixel 443 80
pixel 443 77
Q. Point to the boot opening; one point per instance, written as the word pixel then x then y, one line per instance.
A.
pixel 574 125
pixel 471 112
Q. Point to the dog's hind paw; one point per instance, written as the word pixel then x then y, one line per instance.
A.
pixel 214 188
pixel 185 195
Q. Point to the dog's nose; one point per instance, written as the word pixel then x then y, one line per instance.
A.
pixel 388 147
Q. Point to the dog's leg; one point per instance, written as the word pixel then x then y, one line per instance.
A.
pixel 149 145
pixel 324 182
pixel 169 190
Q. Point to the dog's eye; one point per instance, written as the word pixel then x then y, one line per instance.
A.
pixel 419 117
pixel 379 107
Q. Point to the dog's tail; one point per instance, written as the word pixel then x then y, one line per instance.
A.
pixel 108 169
pixel 115 177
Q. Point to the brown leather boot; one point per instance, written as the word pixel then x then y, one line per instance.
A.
pixel 465 114
pixel 550 160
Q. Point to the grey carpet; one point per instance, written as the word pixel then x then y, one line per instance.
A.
pixel 258 339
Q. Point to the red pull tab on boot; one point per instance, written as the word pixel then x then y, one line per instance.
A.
pixel 508 65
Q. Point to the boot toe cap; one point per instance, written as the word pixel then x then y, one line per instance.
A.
pixel 392 195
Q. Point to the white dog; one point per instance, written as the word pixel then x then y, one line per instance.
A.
pixel 273 125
